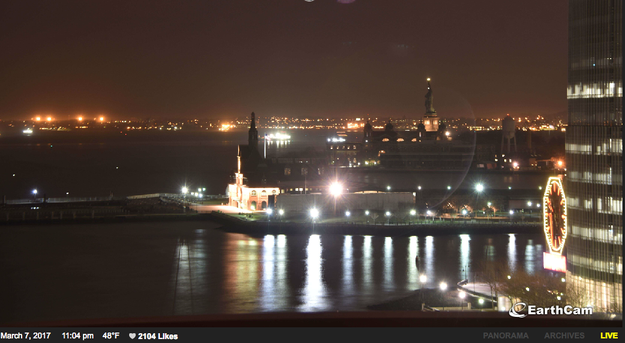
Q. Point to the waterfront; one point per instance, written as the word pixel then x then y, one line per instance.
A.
pixel 98 164
pixel 187 268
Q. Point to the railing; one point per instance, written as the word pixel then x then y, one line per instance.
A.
pixel 109 198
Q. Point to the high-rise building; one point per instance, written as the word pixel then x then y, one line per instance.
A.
pixel 594 153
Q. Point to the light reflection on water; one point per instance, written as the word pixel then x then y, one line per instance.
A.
pixel 329 273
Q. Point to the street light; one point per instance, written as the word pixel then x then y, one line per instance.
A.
pixel 314 213
pixel 366 212
pixel 443 286
pixel 185 190
pixel 388 188
pixel 448 187
pixel 269 211
pixel 347 214
pixel 336 189
pixel 479 187
pixel 419 187
pixel 423 278
pixel 388 215
pixel 281 212
pixel 462 294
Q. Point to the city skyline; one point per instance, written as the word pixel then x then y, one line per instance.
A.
pixel 299 59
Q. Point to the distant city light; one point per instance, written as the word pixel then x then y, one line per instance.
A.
pixel 388 188
pixel 367 213
pixel 38 119
pixel 413 212
pixel 443 286
pixel 464 212
pixel 269 211
pixel 388 213
pixel 481 301
pixel 280 211
pixel 462 294
pixel 101 118
pixel 479 187
pixel 423 278
pixel 529 203
pixel 511 212
pixel 185 190
pixel 419 187
pixel 79 118
pixel 49 119
pixel 448 187
pixel 347 213
pixel 429 213
pixel 35 191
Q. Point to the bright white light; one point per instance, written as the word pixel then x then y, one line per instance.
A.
pixel 423 278
pixel 447 133
pixel 563 280
pixel 538 205
pixel 388 188
pixel 489 204
pixel 509 277
pixel 443 286
pixel 34 191
pixel 201 195
pixel 413 212
pixel 388 214
pixel 419 187
pixel 336 189
pixel 479 187
pixel 529 203
pixel 199 189
pixel 269 211
pixel 511 212
pixel 280 211
pixel 367 213
pixel 559 297
pixel 448 187
pixel 481 301
pixel 462 294
pixel 204 189
pixel 347 213
pixel 527 289
pixel 28 131
pixel 464 212
pixel 429 213
pixel 314 213
pixel 185 190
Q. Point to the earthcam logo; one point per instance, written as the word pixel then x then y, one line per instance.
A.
pixel 533 310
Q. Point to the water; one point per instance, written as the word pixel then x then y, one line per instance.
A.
pixel 98 163
pixel 189 268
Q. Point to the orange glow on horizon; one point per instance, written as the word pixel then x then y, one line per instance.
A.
pixel 79 118
pixel 38 119
pixel 101 118
pixel 49 119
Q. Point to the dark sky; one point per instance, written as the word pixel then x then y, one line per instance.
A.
pixel 227 58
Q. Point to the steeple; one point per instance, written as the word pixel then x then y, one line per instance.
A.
pixel 253 134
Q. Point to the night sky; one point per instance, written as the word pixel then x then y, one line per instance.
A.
pixel 218 59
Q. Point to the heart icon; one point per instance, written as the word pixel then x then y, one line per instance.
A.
pixel 132 335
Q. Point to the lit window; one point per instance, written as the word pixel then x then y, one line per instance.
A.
pixel 385 140
pixel 287 171
pixel 253 193
pixel 400 139
pixel 263 193
pixel 414 139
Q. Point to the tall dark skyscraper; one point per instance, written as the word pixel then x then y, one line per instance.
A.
pixel 594 152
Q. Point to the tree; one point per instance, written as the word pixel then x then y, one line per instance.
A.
pixel 374 216
pixel 494 274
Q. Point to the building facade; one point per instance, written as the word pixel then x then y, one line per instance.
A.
pixel 594 153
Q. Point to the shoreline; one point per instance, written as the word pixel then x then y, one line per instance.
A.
pixel 235 225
